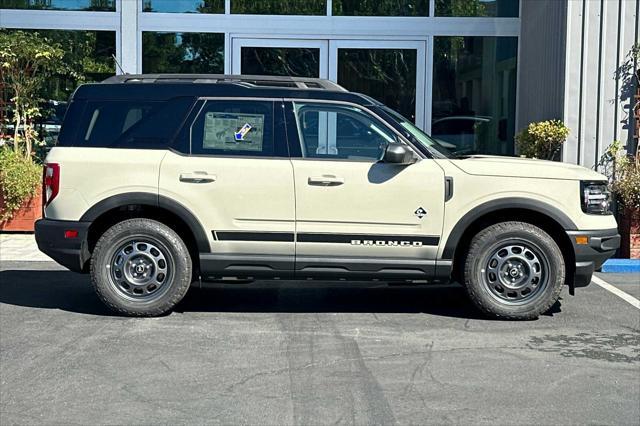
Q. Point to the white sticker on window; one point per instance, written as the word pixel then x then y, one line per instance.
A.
pixel 233 131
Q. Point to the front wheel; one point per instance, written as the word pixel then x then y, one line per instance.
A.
pixel 514 270
pixel 141 267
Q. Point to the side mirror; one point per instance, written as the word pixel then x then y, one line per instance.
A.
pixel 397 153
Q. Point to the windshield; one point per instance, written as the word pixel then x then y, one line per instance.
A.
pixel 419 137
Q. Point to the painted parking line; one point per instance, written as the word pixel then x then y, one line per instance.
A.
pixel 615 290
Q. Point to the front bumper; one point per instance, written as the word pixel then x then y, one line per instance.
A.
pixel 72 253
pixel 600 246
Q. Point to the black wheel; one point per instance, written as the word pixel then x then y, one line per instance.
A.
pixel 514 270
pixel 141 267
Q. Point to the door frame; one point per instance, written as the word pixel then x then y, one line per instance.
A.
pixel 329 59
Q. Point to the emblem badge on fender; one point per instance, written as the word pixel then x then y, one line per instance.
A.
pixel 420 212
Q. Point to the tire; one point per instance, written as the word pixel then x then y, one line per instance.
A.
pixel 141 267
pixel 514 270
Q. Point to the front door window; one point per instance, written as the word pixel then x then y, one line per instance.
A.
pixel 341 132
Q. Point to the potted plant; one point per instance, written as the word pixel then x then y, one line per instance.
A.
pixel 21 197
pixel 26 61
pixel 626 188
pixel 542 140
pixel 623 171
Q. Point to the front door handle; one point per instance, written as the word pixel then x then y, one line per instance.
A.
pixel 325 180
pixel 197 177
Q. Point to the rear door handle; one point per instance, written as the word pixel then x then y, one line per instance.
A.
pixel 197 177
pixel 325 180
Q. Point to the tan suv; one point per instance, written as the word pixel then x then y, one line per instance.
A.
pixel 161 180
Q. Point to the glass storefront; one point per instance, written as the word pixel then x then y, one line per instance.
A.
pixel 89 5
pixel 388 75
pixel 462 89
pixel 183 53
pixel 474 93
pixel 281 61
pixel 296 7
pixel 478 8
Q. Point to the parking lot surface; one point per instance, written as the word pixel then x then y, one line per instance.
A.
pixel 311 353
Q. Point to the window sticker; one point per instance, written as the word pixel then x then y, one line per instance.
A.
pixel 233 131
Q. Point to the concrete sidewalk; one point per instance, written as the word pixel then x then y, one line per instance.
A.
pixel 20 247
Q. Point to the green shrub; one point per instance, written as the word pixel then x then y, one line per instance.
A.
pixel 542 140
pixel 19 181
pixel 627 185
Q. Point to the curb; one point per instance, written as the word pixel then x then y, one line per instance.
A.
pixel 627 266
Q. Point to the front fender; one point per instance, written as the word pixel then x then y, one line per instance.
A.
pixel 502 204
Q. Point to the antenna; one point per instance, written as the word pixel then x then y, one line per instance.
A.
pixel 118 64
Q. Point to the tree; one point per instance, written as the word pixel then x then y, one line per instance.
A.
pixel 87 57
pixel 26 61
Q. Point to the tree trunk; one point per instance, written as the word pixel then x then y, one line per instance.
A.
pixel 16 130
pixel 27 135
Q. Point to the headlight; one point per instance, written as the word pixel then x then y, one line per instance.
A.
pixel 595 197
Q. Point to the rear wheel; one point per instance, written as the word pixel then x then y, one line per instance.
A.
pixel 514 270
pixel 141 267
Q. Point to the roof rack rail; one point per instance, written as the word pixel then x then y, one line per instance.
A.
pixel 246 80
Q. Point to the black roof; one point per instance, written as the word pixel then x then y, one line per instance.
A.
pixel 166 86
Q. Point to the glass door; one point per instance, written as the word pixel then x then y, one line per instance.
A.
pixel 393 72
pixel 296 58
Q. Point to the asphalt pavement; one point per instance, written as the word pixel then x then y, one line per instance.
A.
pixel 312 353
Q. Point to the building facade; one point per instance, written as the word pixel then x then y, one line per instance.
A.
pixel 470 72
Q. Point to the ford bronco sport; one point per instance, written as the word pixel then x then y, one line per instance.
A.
pixel 158 181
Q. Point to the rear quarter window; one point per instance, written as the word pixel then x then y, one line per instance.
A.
pixel 133 124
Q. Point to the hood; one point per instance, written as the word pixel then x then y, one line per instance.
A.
pixel 493 165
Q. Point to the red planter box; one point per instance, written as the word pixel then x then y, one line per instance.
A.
pixel 25 217
pixel 629 227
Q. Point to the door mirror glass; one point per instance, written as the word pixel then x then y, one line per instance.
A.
pixel 397 153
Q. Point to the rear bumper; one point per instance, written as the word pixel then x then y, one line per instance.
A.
pixel 72 253
pixel 601 245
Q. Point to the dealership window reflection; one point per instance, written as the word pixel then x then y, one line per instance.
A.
pixel 387 75
pixel 88 5
pixel 478 8
pixel 380 7
pixel 279 7
pixel 183 6
pixel 183 53
pixel 88 57
pixel 280 61
pixel 474 94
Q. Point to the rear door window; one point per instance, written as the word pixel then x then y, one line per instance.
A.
pixel 234 128
pixel 131 124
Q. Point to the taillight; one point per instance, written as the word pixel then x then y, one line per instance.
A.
pixel 50 183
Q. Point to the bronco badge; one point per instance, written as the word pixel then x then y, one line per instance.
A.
pixel 392 243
